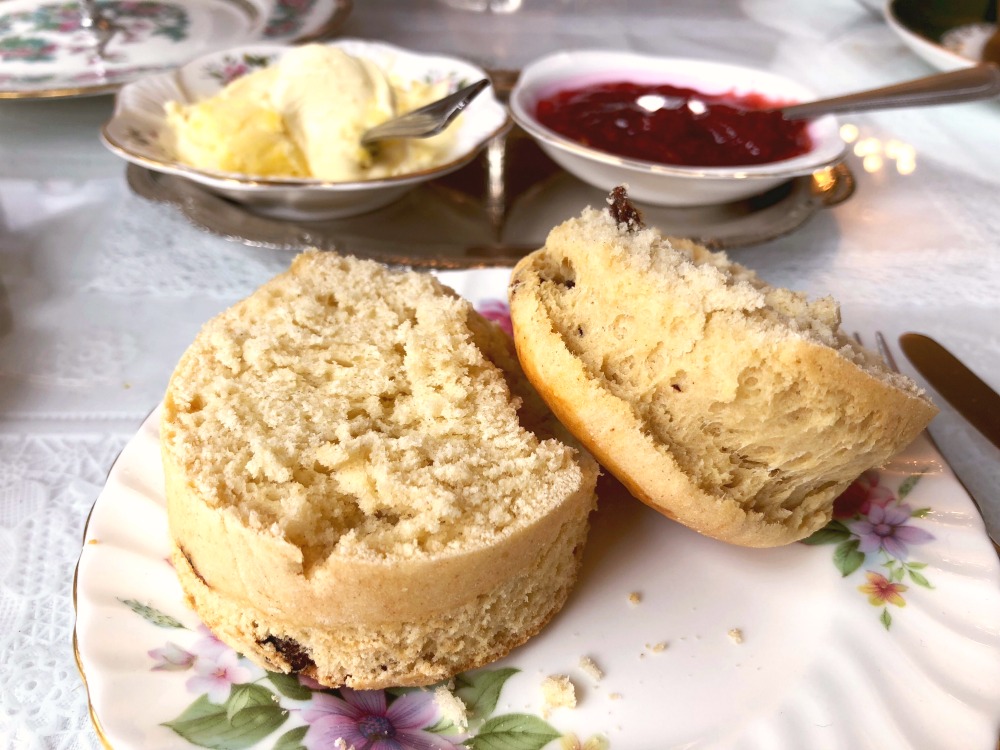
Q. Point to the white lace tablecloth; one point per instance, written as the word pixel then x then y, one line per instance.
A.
pixel 100 291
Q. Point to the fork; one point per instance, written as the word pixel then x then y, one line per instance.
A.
pixel 886 354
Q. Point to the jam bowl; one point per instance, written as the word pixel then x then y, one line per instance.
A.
pixel 677 131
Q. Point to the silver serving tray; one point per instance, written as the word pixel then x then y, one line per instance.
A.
pixel 492 212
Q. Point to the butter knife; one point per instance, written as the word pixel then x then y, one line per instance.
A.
pixel 957 384
pixel 972 398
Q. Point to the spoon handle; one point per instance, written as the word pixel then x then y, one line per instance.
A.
pixel 965 85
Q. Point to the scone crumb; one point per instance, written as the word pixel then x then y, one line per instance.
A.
pixel 557 692
pixel 452 707
pixel 590 668
pixel 615 696
pixel 736 635
pixel 570 741
pixel 94 541
pixel 634 598
pixel 658 648
pixel 341 744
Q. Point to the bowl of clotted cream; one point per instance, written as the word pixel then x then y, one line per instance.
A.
pixel 277 128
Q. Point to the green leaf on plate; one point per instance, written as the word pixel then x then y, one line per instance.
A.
pixel 908 484
pixel 248 695
pixel 292 739
pixel 833 533
pixel 919 579
pixel 481 691
pixel 886 618
pixel 443 726
pixel 847 558
pixel 249 714
pixel 513 732
pixel 152 615
pixel 289 686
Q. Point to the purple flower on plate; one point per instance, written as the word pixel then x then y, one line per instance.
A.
pixel 365 720
pixel 214 677
pixel 886 527
pixel 172 658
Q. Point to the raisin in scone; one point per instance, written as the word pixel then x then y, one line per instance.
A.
pixel 361 484
pixel 739 409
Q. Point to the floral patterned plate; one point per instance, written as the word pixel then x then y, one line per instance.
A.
pixel 47 51
pixel 883 631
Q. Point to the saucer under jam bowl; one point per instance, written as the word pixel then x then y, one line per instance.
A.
pixel 591 74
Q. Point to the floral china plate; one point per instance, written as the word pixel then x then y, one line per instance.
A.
pixel 47 51
pixel 881 631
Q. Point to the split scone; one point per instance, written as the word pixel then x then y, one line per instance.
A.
pixel 739 409
pixel 361 484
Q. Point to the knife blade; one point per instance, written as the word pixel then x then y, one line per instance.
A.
pixel 957 384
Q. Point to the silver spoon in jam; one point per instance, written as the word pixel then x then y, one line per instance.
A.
pixel 965 85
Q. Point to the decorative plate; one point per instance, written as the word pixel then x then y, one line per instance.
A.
pixel 947 35
pixel 880 632
pixel 47 52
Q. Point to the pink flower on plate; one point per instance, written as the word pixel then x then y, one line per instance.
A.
pixel 886 527
pixel 863 494
pixel 365 721
pixel 214 677
pixel 208 646
pixel 172 658
pixel 497 311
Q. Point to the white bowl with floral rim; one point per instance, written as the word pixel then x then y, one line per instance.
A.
pixel 136 127
pixel 666 184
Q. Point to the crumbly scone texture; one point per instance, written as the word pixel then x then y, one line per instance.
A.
pixel 737 408
pixel 361 483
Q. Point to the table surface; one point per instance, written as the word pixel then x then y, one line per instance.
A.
pixel 101 291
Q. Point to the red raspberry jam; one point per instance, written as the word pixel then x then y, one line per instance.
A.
pixel 673 125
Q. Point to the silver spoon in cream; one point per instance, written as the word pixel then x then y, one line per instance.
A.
pixel 426 121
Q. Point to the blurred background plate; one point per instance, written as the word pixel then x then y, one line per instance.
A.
pixel 947 34
pixel 45 53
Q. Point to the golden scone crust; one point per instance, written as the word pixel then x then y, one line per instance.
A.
pixel 738 409
pixel 361 484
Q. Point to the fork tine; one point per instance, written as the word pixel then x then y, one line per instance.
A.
pixel 885 351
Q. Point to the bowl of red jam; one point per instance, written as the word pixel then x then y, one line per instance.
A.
pixel 678 131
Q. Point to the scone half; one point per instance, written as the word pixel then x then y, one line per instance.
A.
pixel 361 484
pixel 738 409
